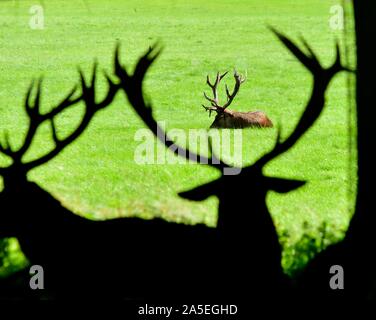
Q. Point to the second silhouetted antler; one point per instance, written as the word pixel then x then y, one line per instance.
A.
pixel 37 118
pixel 322 77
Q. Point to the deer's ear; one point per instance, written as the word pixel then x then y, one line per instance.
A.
pixel 201 193
pixel 284 185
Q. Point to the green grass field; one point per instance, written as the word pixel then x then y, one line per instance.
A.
pixel 97 175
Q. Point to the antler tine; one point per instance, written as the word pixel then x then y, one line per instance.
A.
pixel 220 77
pixel 6 147
pixel 32 109
pixel 208 82
pixel 64 104
pixel 223 75
pixel 312 54
pixel 217 79
pixel 230 97
pixel 88 92
pixel 210 109
pixel 337 65
pixel 27 104
pixel 54 133
pixel 118 68
pixel 214 101
pixel 227 92
pixel 309 61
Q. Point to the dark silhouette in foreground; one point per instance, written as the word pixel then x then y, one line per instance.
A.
pixel 84 259
pixel 356 252
pixel 251 253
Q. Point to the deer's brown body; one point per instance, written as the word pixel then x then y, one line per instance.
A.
pixel 238 120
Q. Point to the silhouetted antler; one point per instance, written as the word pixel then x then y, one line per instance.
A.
pixel 36 119
pixel 132 86
pixel 322 77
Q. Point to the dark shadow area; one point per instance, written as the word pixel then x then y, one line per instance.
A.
pixel 84 259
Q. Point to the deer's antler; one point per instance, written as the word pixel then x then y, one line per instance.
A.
pixel 215 106
pixel 321 77
pixel 36 118
pixel 238 81
pixel 214 87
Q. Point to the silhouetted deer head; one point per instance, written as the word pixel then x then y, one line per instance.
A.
pixel 226 118
pixel 84 258
pixel 249 236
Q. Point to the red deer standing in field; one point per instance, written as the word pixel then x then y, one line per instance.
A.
pixel 226 118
